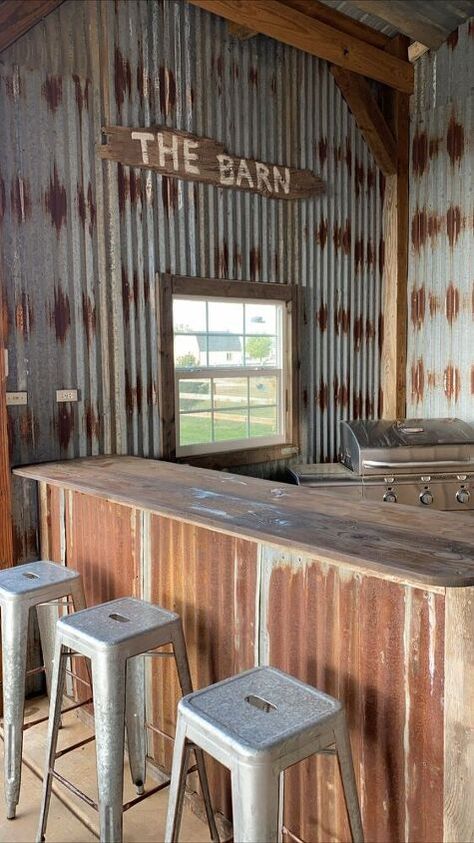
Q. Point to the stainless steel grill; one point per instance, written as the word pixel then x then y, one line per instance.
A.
pixel 421 462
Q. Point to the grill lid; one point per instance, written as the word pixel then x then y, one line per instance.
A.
pixel 434 445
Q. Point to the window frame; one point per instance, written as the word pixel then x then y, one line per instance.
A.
pixel 220 454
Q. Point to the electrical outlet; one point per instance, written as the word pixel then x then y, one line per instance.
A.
pixel 66 395
pixel 16 399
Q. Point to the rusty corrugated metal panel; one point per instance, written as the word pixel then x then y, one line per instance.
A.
pixel 97 529
pixel 440 373
pixel 362 640
pixel 84 240
pixel 219 621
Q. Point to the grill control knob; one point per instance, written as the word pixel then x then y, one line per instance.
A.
pixel 426 498
pixel 390 497
pixel 462 496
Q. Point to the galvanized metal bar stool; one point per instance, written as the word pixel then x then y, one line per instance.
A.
pixel 22 588
pixel 257 724
pixel 115 636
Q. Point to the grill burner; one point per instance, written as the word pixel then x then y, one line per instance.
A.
pixel 422 462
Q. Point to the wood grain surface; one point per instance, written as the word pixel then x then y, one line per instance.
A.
pixel 427 548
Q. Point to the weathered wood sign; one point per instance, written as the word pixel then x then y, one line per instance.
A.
pixel 185 156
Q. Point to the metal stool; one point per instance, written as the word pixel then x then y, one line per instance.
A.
pixel 115 636
pixel 257 724
pixel 22 588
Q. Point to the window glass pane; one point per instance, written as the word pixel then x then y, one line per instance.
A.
pixel 190 351
pixel 263 421
pixel 226 316
pixel 230 392
pixel 195 428
pixel 260 351
pixel 189 315
pixel 261 318
pixel 263 391
pixel 225 350
pixel 194 395
pixel 230 424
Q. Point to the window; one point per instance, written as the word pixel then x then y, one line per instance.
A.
pixel 229 373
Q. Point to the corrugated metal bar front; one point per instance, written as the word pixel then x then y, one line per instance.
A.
pixel 440 373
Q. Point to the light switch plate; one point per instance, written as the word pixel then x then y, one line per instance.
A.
pixel 66 395
pixel 16 399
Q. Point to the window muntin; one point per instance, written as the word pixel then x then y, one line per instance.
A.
pixel 230 383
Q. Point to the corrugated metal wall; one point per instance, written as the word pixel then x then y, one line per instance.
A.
pixel 83 240
pixel 440 377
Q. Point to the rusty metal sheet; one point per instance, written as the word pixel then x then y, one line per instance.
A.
pixel 379 647
pixel 440 372
pixel 210 579
pixel 83 240
pixel 103 544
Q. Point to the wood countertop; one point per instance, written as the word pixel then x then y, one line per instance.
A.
pixel 419 547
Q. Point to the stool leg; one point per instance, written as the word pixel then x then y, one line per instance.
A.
pixel 108 679
pixel 255 803
pixel 14 650
pixel 181 753
pixel 55 703
pixel 77 594
pixel 184 674
pixel 135 720
pixel 47 617
pixel 346 767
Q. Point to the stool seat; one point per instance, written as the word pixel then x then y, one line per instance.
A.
pixel 33 578
pixel 258 724
pixel 125 621
pixel 259 710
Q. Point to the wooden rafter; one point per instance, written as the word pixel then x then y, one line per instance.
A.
pixel 17 17
pixel 403 16
pixel 369 118
pixel 277 20
pixel 326 14
pixel 243 33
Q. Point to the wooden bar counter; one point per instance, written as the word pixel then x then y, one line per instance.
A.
pixel 371 603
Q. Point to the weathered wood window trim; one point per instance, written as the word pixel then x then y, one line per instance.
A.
pixel 171 285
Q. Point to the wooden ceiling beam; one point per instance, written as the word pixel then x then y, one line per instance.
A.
pixel 402 15
pixel 277 20
pixel 243 33
pixel 326 14
pixel 17 17
pixel 369 118
pixel 416 51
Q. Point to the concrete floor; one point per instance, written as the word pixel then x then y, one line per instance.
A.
pixel 70 819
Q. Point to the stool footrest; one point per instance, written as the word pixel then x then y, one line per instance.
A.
pixel 78 678
pixel 159 732
pixel 74 746
pixel 64 711
pixel 291 835
pixel 75 790
pixel 143 796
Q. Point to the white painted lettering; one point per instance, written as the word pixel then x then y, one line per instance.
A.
pixel 244 173
pixel 262 177
pixel 226 169
pixel 281 181
pixel 190 156
pixel 143 137
pixel 167 150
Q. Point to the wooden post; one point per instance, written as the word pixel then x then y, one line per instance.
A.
pixel 6 542
pixel 394 352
